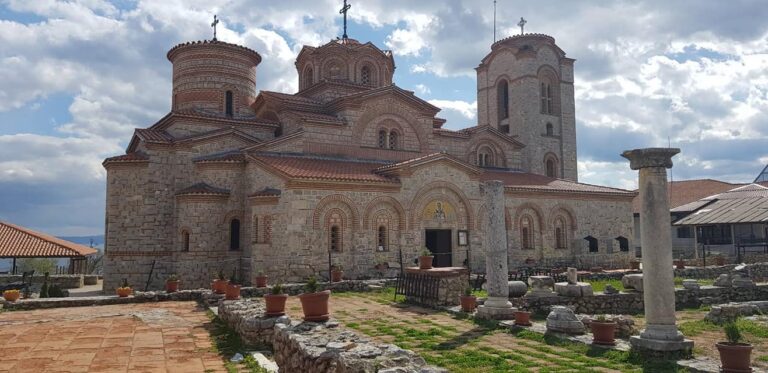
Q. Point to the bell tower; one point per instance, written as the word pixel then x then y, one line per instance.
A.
pixel 525 89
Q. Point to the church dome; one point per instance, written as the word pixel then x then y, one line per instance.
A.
pixel 345 60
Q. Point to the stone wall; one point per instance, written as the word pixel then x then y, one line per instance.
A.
pixel 632 302
pixel 756 271
pixel 451 284
pixel 64 281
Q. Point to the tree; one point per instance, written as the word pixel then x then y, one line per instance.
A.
pixel 39 265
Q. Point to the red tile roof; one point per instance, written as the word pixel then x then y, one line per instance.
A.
pixel 130 157
pixel 20 242
pixel 228 157
pixel 323 168
pixel 539 183
pixel 201 189
pixel 686 191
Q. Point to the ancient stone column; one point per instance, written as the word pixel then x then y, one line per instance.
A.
pixel 497 306
pixel 661 333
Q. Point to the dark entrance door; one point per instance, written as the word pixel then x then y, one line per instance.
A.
pixel 438 241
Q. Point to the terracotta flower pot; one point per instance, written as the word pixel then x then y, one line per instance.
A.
pixel 172 286
pixel 468 303
pixel 275 304
pixel 425 262
pixel 603 332
pixel 680 264
pixel 315 305
pixel 233 292
pixel 336 275
pixel 11 295
pixel 735 357
pixel 635 264
pixel 523 318
pixel 382 266
pixel 261 281
pixel 219 286
pixel 719 260
pixel 124 292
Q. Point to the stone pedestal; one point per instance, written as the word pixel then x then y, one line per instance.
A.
pixel 451 284
pixel 579 289
pixel 660 334
pixel 633 281
pixel 562 320
pixel 541 286
pixel 497 306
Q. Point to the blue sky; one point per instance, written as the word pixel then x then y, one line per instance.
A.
pixel 76 77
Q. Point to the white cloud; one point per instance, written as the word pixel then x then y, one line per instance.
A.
pixel 466 109
pixel 422 89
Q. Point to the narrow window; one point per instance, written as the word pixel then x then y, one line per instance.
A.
pixel 551 168
pixel 550 110
pixel 382 238
pixel 234 234
pixel 279 130
pixel 525 233
pixel 255 229
pixel 229 106
pixel 560 237
pixel 365 75
pixel 393 140
pixel 502 93
pixel 185 241
pixel 308 78
pixel 623 243
pixel 382 139
pixel 550 130
pixel 335 239
pixel 592 242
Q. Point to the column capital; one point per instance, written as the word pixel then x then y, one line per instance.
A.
pixel 650 157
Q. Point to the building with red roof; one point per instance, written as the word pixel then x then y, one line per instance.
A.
pixel 19 242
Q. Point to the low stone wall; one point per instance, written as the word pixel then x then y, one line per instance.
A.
pixel 451 284
pixel 756 271
pixel 64 281
pixel 247 318
pixel 726 312
pixel 90 279
pixel 346 285
pixel 632 302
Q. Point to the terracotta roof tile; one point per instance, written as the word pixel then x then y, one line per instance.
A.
pixel 203 189
pixel 686 191
pixel 540 183
pixel 154 136
pixel 130 157
pixel 231 157
pixel 240 118
pixel 267 192
pixel 324 168
pixel 20 242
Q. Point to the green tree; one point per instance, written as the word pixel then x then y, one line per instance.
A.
pixel 39 265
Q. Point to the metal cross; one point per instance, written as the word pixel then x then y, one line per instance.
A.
pixel 522 25
pixel 344 11
pixel 215 22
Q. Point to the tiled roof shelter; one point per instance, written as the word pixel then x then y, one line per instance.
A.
pixel 20 242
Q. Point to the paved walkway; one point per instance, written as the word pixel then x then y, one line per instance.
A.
pixel 148 337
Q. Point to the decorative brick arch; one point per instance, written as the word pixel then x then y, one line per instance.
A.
pixel 539 218
pixel 378 111
pixel 373 207
pixel 480 218
pixel 233 214
pixel 425 194
pixel 567 211
pixel 326 67
pixel 328 202
pixel 499 156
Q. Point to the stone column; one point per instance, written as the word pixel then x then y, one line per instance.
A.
pixel 497 306
pixel 661 333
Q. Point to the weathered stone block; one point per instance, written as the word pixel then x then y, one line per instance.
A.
pixel 562 320
pixel 633 282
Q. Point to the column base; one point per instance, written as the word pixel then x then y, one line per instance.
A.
pixel 496 308
pixel 659 348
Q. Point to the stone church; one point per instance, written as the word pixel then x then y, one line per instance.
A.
pixel 353 170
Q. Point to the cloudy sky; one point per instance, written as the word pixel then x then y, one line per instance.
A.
pixel 76 77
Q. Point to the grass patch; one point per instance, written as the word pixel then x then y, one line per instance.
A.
pixel 753 328
pixel 599 285
pixel 226 343
pixel 763 358
pixel 696 327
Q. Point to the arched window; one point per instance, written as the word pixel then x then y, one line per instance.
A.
pixel 365 76
pixel 623 243
pixel 526 233
pixel 334 71
pixel 255 229
pixel 381 238
pixel 234 234
pixel 485 157
pixel 184 240
pixel 550 129
pixel 592 242
pixel 393 139
pixel 335 239
pixel 502 95
pixel 309 78
pixel 229 104
pixel 279 130
pixel 550 166
pixel 561 239
pixel 546 98
pixel 382 143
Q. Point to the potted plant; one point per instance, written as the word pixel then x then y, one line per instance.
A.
pixel 522 318
pixel 425 259
pixel 276 301
pixel 603 331
pixel 735 354
pixel 680 263
pixel 337 273
pixel 314 303
pixel 719 260
pixel 124 290
pixel 468 301
pixel 11 295
pixel 233 287
pixel 381 263
pixel 44 288
pixel 172 283
pixel 261 280
pixel 219 285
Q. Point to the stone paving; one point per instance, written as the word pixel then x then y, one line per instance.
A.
pixel 149 337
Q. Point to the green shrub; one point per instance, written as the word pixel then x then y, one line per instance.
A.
pixel 277 289
pixel 311 286
pixel 732 333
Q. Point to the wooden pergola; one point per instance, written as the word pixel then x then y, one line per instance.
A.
pixel 19 242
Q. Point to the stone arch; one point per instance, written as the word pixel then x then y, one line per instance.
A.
pixel 563 210
pixel 520 210
pixel 480 218
pixel 233 214
pixel 329 64
pixel 551 165
pixel 499 156
pixel 377 116
pixel 375 73
pixel 331 201
pixel 374 205
pixel 307 76
pixel 430 191
pixel 549 78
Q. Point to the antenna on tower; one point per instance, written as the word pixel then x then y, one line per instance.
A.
pixel 494 21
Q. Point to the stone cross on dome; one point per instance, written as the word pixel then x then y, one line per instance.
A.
pixel 344 11
pixel 522 25
pixel 215 22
